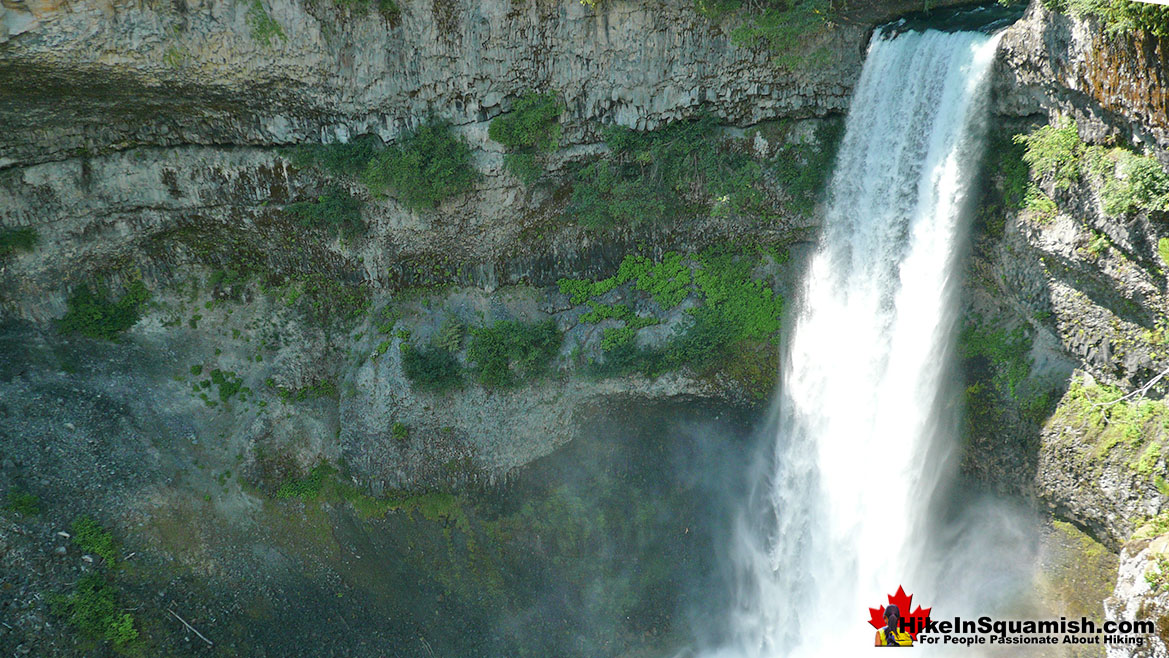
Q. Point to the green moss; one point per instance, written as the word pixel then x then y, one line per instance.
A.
pixel 92 538
pixel 23 503
pixel 91 312
pixel 264 29
pixel 733 331
pixel 93 609
pixel 1107 422
pixel 425 167
pixel 1163 250
pixel 13 240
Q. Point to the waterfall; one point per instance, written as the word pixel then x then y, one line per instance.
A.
pixel 862 433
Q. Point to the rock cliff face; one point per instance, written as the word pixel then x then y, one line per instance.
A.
pixel 1072 285
pixel 209 73
pixel 1114 83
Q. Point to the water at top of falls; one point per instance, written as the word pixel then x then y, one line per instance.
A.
pixel 862 435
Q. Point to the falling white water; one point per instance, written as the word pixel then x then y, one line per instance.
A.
pixel 861 440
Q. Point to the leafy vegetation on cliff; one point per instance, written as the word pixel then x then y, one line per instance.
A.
pixel 509 352
pixel 433 369
pixel 733 331
pixel 91 312
pixel 787 28
pixel 423 168
pixel 93 607
pixel 1117 426
pixel 264 29
pixel 13 240
pixel 657 175
pixel 1118 16
pixel 1130 182
pixel 529 131
pixel 336 212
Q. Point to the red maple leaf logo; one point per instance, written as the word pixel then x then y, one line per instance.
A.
pixel 912 623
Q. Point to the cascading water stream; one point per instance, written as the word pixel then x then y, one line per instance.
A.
pixel 862 437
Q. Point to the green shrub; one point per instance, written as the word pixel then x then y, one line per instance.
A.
pixel 602 197
pixel 399 431
pixel 23 503
pixel 788 29
pixel 1054 150
pixel 1006 352
pixel 450 334
pixel 1118 16
pixel 348 159
pixel 92 538
pixel 509 352
pixel 336 212
pixel 310 486
pixel 804 169
pixel 263 27
pixel 91 312
pixel 423 168
pixel 650 176
pixel 13 240
pixel 524 166
pixel 532 123
pixel 93 609
pixel 431 368
pixel 1139 183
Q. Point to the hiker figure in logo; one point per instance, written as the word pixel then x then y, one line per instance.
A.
pixel 892 635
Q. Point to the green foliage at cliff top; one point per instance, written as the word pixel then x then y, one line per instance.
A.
pixel 1118 16
pixel 787 28
pixel 91 312
pixel 13 240
pixel 423 168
